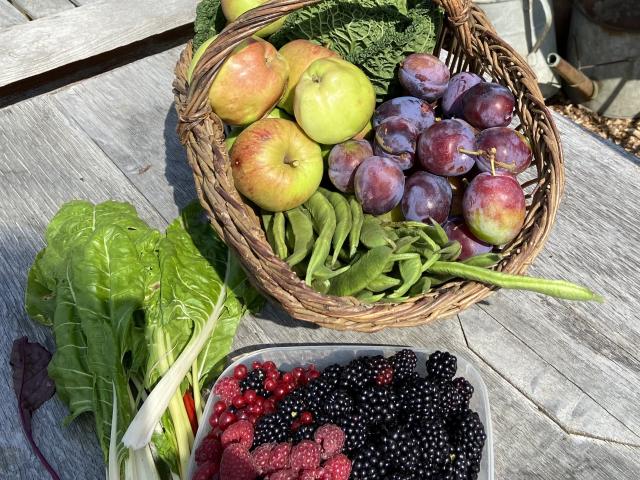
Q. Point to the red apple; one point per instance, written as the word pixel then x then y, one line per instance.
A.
pixel 250 82
pixel 275 165
pixel 299 54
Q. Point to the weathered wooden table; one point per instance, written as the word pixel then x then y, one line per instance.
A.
pixel 563 378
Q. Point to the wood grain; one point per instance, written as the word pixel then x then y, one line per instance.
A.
pixel 45 160
pixel 140 135
pixel 30 49
pixel 42 8
pixel 9 15
pixel 552 368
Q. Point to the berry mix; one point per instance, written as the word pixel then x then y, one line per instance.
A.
pixel 375 418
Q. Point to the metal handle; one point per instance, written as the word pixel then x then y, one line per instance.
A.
pixel 548 21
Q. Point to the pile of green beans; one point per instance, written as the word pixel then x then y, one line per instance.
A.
pixel 339 250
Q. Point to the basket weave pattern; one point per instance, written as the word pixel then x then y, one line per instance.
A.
pixel 472 45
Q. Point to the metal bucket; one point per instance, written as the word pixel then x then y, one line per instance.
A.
pixel 527 25
pixel 604 43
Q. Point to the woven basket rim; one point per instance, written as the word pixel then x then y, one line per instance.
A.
pixel 202 134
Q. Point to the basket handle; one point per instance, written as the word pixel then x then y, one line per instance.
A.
pixel 249 23
pixel 233 34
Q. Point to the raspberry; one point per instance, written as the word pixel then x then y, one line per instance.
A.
pixel 237 464
pixel 261 457
pixel 210 450
pixel 311 474
pixel 331 438
pixel 280 457
pixel 339 467
pixel 206 471
pixel 227 389
pixel 286 474
pixel 305 455
pixel 240 432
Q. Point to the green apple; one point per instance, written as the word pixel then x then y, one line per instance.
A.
pixel 333 101
pixel 250 82
pixel 232 9
pixel 275 165
pixel 299 54
pixel 232 137
pixel 197 56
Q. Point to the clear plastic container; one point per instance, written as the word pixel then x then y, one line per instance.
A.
pixel 321 356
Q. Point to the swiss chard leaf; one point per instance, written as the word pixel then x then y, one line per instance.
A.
pixel 32 387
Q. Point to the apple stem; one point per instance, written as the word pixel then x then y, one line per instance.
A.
pixel 293 163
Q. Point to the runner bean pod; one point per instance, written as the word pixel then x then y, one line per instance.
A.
pixel 278 228
pixel 303 237
pixel 324 222
pixel 369 266
pixel 357 218
pixel 342 210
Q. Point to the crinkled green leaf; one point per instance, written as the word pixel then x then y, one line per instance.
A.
pixel 40 299
pixel 209 21
pixel 373 34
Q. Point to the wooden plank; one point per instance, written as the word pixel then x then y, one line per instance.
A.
pixel 588 351
pixel 45 160
pixel 42 8
pixel 9 15
pixel 80 33
pixel 140 134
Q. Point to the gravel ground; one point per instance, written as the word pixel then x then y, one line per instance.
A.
pixel 621 131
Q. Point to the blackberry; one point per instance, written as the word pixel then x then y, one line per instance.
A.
pixel 420 398
pixel 356 375
pixel 456 468
pixel 337 404
pixel 355 432
pixel 404 363
pixel 304 432
pixel 464 389
pixel 468 438
pixel 316 392
pixel 381 370
pixel 399 448
pixel 376 404
pixel 271 428
pixel 441 366
pixel 368 464
pixel 292 405
pixel 331 375
pixel 434 443
pixel 255 381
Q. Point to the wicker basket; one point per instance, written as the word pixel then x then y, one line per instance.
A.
pixel 473 45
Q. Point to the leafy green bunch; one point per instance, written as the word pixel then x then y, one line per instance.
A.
pixel 140 319
pixel 373 34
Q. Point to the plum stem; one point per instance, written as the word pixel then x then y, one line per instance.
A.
pixel 492 159
pixel 471 152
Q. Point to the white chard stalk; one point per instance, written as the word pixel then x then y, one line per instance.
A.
pixel 139 433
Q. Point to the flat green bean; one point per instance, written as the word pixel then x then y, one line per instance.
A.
pixel 369 266
pixel 484 260
pixel 430 261
pixel 321 286
pixel 421 286
pixel 451 251
pixel 343 220
pixel 324 222
pixel 404 244
pixel 366 296
pixel 554 288
pixel 437 233
pixel 397 257
pixel 267 222
pixel 279 235
pixel 303 237
pixel 357 218
pixel 410 272
pixel 372 234
pixel 383 282
pixel 325 273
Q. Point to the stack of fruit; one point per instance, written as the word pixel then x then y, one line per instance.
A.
pixel 412 188
pixel 374 418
